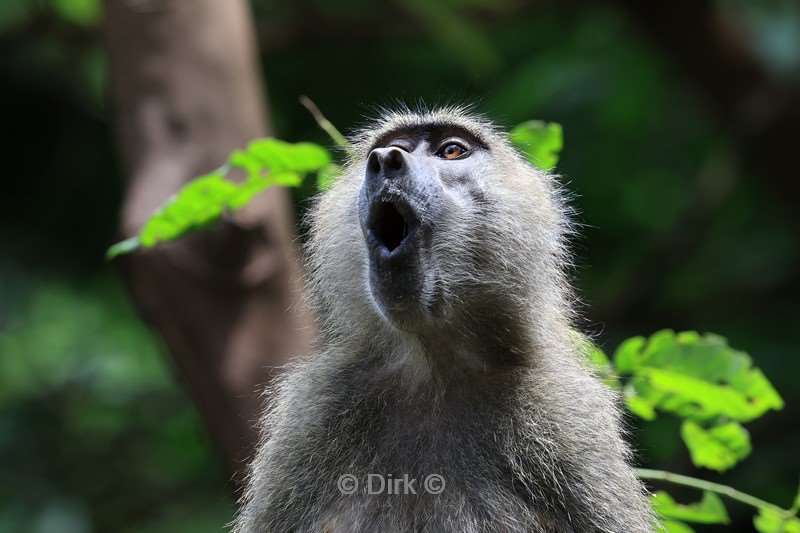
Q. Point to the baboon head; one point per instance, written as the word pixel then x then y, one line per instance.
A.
pixel 435 219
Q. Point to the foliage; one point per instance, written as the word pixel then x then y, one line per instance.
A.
pixel 265 163
pixel 772 521
pixel 713 389
pixel 718 447
pixel 83 383
pixel 539 142
pixel 702 380
pixel 709 510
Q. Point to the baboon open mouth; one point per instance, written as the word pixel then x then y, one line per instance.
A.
pixel 388 224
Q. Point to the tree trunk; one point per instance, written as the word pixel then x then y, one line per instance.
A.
pixel 227 302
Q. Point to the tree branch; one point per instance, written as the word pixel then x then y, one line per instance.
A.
pixel 724 490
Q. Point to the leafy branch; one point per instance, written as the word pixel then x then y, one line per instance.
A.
pixel 714 389
pixel 204 200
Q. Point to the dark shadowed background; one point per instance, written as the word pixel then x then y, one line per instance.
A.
pixel 682 135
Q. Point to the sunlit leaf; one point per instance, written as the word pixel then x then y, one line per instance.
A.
pixel 717 448
pixel 771 521
pixel 247 162
pixel 639 405
pixel 673 526
pixel 540 142
pixel 696 377
pixel 280 156
pixel 286 178
pixel 245 192
pixel 265 163
pixel 629 354
pixel 709 510
pixel 196 203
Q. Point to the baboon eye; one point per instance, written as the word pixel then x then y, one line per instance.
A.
pixel 452 150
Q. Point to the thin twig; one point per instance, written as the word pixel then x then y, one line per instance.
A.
pixel 725 490
pixel 323 122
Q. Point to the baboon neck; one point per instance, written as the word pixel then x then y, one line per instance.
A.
pixel 473 351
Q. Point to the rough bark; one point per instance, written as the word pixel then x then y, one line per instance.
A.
pixel 226 302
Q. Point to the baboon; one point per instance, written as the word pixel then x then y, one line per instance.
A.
pixel 436 266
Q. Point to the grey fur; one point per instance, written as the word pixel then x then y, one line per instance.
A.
pixel 496 398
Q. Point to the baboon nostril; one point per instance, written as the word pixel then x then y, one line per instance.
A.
pixel 386 163
pixel 374 163
pixel 394 160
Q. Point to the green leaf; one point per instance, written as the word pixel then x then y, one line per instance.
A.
pixel 628 355
pixel 280 156
pixel 286 178
pixel 709 510
pixel 639 405
pixel 696 377
pixel 196 203
pixel 718 448
pixel 265 162
pixel 540 142
pixel 673 526
pixel 770 521
pixel 247 162
pixel 245 192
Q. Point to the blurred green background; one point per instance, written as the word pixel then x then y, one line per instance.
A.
pixel 680 229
